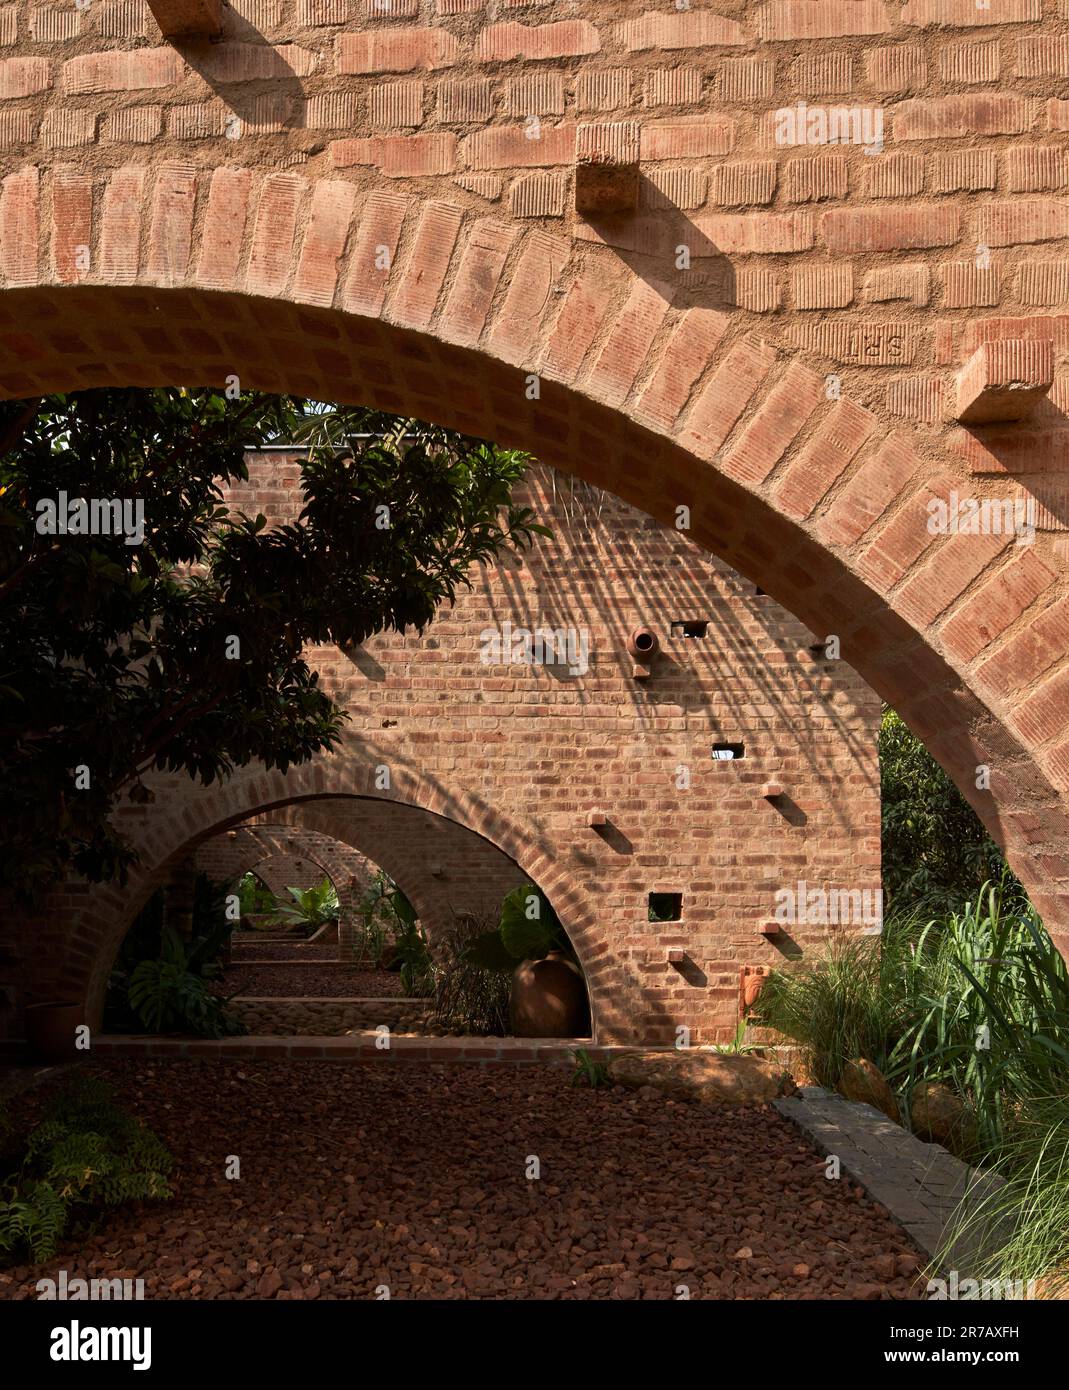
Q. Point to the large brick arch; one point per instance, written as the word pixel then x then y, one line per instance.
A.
pixel 141 245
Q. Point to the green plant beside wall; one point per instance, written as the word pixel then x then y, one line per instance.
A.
pixel 529 929
pixel 84 1156
pixel 161 981
pixel 312 907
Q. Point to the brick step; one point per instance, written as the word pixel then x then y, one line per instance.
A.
pixel 359 1047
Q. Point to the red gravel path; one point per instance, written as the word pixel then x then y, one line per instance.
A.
pixel 249 946
pixel 288 981
pixel 354 1176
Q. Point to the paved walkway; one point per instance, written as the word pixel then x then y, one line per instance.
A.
pixel 921 1185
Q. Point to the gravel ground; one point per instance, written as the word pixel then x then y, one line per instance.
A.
pixel 281 950
pixel 353 1177
pixel 286 981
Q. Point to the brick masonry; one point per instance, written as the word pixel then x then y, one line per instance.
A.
pixel 344 201
pixel 495 767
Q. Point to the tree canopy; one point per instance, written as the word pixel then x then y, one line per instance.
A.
pixel 175 641
pixel 936 852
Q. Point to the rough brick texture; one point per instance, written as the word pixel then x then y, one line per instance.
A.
pixel 842 194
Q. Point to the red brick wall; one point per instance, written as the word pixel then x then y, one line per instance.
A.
pixel 496 768
pixel 377 226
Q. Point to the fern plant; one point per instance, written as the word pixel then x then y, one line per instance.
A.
pixel 84 1155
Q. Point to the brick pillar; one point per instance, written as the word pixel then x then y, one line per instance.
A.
pixel 178 898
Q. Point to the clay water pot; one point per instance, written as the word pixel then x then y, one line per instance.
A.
pixel 549 999
pixel 50 1029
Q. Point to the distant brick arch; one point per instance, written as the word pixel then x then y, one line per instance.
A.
pixel 281 856
pixel 98 930
pixel 163 252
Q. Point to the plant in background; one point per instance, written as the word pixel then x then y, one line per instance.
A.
pixel 738 1046
pixel 315 906
pixel 84 1156
pixel 470 998
pixel 170 994
pixel 529 929
pixel 377 918
pixel 417 967
pixel 836 1007
pixel 175 983
pixel 115 644
pixel 936 852
pixel 587 1072
pixel 255 898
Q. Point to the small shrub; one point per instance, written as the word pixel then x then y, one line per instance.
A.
pixel 85 1155
pixel 587 1072
pixel 470 998
pixel 313 907
pixel 161 980
pixel 170 995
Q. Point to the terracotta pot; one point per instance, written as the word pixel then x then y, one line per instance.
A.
pixel 50 1029
pixel 548 999
pixel 643 643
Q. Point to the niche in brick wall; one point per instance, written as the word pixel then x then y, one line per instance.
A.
pixel 728 752
pixel 665 907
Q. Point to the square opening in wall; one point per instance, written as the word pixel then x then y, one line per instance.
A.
pixel 665 907
pixel 694 630
pixel 728 752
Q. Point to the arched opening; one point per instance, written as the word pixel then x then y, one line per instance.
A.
pixel 830 519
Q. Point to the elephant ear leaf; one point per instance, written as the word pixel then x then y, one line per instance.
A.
pixel 528 924
pixel 405 912
pixel 488 952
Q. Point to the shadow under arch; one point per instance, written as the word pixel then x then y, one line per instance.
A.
pixel 719 448
pixel 102 930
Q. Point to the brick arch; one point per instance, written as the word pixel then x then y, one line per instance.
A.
pixel 810 498
pixel 259 256
pixel 247 848
pixel 444 867
pixel 98 929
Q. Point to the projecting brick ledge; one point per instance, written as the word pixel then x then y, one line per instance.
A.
pixel 1005 379
pixel 180 19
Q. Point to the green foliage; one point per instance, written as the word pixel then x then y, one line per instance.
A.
pixel 836 1007
pixel 254 897
pixel 168 995
pixel 1018 1228
pixel 529 929
pixel 376 917
pixel 978 1000
pixel 417 967
pixel 85 1155
pixel 315 906
pixel 936 852
pixel 469 998
pixel 116 655
pixel 985 1011
pixel 587 1072
pixel 738 1046
pixel 161 981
